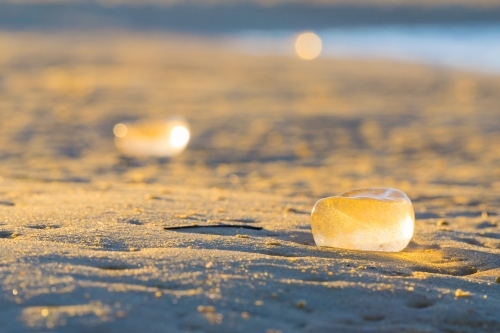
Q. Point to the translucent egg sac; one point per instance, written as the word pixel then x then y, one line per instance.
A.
pixel 164 138
pixel 376 219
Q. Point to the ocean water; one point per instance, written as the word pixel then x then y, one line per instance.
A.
pixel 471 47
pixel 466 37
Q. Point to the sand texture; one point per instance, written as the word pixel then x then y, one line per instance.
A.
pixel 82 239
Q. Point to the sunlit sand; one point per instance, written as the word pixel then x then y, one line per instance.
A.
pixel 82 228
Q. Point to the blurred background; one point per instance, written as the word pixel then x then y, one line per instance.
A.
pixel 293 97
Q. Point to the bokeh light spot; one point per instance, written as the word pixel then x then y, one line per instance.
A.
pixel 179 136
pixel 120 130
pixel 308 45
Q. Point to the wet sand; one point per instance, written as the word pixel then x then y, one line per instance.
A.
pixel 82 234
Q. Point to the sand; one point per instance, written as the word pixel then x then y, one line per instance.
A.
pixel 82 239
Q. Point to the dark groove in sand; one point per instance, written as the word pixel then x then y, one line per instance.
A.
pixel 193 226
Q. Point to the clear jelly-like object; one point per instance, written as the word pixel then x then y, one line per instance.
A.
pixel 164 138
pixel 376 219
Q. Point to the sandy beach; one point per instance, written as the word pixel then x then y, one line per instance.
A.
pixel 82 229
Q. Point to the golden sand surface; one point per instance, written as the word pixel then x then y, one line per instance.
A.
pixel 82 239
